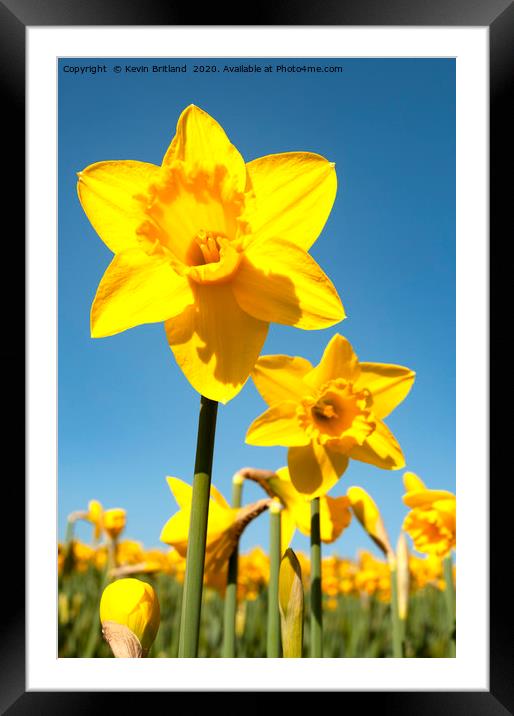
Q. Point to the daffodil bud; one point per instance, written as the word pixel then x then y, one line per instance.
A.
pixel 290 604
pixel 368 514
pixel 130 616
pixel 402 575
pixel 114 521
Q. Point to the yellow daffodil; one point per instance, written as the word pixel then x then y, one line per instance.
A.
pixel 129 604
pixel 328 414
pixel 373 577
pixel 335 515
pixel 114 521
pixel 225 524
pixel 366 511
pixel 214 247
pixel 431 521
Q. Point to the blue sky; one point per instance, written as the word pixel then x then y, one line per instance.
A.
pixel 127 415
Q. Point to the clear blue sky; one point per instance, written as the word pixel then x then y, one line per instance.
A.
pixel 127 415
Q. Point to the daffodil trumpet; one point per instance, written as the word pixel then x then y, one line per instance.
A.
pixel 315 587
pixel 273 637
pixel 229 620
pixel 195 559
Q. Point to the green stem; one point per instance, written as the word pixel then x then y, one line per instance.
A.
pixel 395 617
pixel 68 564
pixel 229 622
pixel 449 593
pixel 193 581
pixel 273 637
pixel 315 598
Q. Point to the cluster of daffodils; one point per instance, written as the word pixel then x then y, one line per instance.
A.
pixel 217 248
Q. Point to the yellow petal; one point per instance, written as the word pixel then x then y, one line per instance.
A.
pixel 108 193
pixel 278 281
pixel 314 469
pixel 201 141
pixel 338 361
pixel 277 426
pixel 176 531
pixel 216 343
pixel 365 509
pixel 218 498
pixel 294 193
pixel 419 498
pixel 388 384
pixel 412 482
pixel 287 529
pixel 279 378
pixel 137 289
pixel 182 492
pixel 380 448
pixel 335 516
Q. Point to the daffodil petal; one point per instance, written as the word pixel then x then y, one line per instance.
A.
pixel 278 281
pixel 287 529
pixel 388 384
pixel 111 195
pixel 338 361
pixel 294 193
pixel 420 498
pixel 218 498
pixel 176 531
pixel 335 516
pixel 279 377
pixel 381 449
pixel 277 426
pixel 182 492
pixel 215 343
pixel 199 139
pixel 137 289
pixel 412 482
pixel 314 469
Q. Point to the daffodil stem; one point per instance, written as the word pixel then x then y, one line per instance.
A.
pixel 395 617
pixel 315 597
pixel 229 623
pixel 195 560
pixel 449 593
pixel 273 636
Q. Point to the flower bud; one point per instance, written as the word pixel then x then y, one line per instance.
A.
pixel 290 604
pixel 130 616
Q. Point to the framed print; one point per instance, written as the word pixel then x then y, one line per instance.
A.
pixel 277 236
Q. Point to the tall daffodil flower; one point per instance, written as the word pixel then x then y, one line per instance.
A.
pixel 114 521
pixel 224 527
pixel 215 247
pixel 335 514
pixel 328 414
pixel 431 521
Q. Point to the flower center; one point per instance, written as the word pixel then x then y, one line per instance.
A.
pixel 179 208
pixel 338 416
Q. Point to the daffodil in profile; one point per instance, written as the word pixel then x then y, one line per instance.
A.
pixel 431 521
pixel 329 414
pixel 225 524
pixel 335 514
pixel 214 247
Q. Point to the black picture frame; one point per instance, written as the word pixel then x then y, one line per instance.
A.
pixel 498 16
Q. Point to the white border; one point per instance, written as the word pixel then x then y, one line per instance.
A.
pixel 469 671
